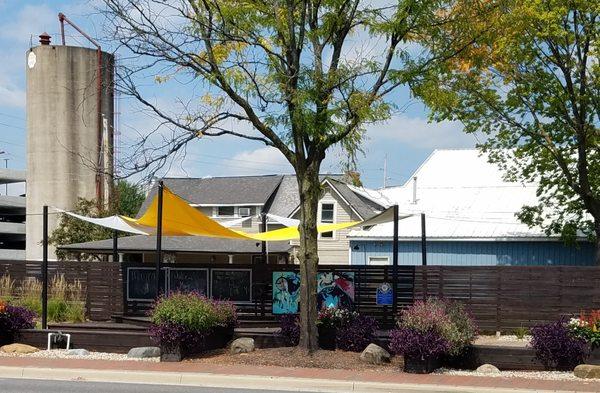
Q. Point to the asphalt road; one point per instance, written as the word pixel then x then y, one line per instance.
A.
pixel 34 386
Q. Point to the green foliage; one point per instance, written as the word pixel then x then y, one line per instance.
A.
pixel 66 301
pixel 193 312
pixel 530 85
pixel 447 318
pixel 129 199
pixel 521 332
pixel 288 74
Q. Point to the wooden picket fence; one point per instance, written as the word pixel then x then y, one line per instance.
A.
pixel 501 298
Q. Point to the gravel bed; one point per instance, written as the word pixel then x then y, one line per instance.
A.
pixel 547 375
pixel 62 354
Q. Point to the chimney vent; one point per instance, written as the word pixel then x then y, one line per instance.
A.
pixel 45 38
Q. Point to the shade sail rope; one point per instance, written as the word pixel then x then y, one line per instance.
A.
pixel 181 219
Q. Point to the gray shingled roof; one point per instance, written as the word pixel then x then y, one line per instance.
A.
pixel 364 207
pixel 286 198
pixel 197 244
pixel 231 190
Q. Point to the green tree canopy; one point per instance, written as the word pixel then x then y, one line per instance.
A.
pixel 299 75
pixel 531 84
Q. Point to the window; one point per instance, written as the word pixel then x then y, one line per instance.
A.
pixel 379 260
pixel 225 211
pixel 327 215
pixel 245 211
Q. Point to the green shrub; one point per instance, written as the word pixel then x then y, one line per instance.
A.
pixel 75 312
pixel 66 301
pixel 448 319
pixel 521 332
pixel 57 310
pixel 185 319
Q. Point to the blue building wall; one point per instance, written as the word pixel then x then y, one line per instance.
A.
pixel 477 253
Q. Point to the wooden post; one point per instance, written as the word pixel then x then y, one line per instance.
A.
pixel 45 270
pixel 159 238
pixel 395 263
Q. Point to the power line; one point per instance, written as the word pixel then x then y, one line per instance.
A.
pixel 12 126
pixel 12 116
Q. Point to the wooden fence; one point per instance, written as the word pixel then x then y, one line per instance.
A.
pixel 101 282
pixel 501 298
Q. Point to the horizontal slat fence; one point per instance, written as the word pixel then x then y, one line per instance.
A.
pixel 504 298
pixel 501 298
pixel 101 282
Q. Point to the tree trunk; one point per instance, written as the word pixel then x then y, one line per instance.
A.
pixel 597 230
pixel 309 188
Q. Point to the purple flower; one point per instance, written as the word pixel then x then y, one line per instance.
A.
pixel 417 344
pixel 289 329
pixel 13 319
pixel 356 334
pixel 556 347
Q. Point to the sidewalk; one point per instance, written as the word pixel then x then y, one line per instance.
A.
pixel 262 377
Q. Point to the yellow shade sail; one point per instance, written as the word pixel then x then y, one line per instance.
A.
pixel 181 219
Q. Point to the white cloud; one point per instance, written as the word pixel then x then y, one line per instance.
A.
pixel 420 133
pixel 259 161
pixel 30 22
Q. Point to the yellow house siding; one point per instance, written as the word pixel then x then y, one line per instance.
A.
pixel 335 250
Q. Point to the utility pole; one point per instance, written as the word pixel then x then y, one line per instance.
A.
pixel 385 171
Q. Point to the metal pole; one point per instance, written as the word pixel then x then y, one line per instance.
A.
pixel 423 241
pixel 115 246
pixel 45 270
pixel 159 238
pixel 264 243
pixel 395 263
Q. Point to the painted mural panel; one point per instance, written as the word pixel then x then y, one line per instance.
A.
pixel 335 290
pixel 286 292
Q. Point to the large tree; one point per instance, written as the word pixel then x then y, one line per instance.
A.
pixel 532 85
pixel 299 75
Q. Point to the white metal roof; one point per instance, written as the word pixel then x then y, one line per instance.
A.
pixel 463 197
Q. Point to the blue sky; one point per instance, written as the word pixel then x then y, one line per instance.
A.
pixel 406 139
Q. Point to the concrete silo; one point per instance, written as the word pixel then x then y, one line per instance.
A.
pixel 69 132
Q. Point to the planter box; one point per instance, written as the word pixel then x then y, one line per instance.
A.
pixel 327 338
pixel 420 366
pixel 217 339
pixel 594 357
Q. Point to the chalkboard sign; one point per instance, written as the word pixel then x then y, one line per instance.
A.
pixel 141 283
pixel 188 280
pixel 232 284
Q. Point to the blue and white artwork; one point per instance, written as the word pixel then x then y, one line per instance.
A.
pixel 286 292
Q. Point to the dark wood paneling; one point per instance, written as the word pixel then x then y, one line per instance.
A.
pixel 501 298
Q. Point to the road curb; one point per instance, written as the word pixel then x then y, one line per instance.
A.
pixel 238 381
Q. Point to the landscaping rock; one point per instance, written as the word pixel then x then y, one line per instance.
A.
pixel 18 348
pixel 488 369
pixel 78 352
pixel 374 354
pixel 242 345
pixel 144 352
pixel 587 371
